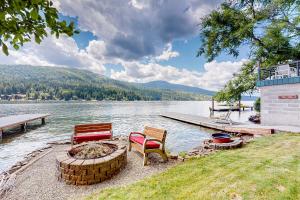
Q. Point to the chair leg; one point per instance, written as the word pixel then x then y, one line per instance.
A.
pixel 129 146
pixel 145 159
pixel 164 156
pixel 72 141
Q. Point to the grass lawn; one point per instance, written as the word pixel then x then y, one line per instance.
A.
pixel 268 168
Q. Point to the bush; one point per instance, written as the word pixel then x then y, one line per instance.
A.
pixel 257 105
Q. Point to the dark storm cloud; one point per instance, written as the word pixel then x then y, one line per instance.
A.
pixel 133 29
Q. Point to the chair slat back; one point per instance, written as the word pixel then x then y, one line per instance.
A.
pixel 156 133
pixel 87 128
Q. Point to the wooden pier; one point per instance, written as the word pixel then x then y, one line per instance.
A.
pixel 207 122
pixel 19 120
pixel 226 108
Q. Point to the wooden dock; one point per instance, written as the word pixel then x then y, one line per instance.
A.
pixel 226 109
pixel 207 122
pixel 19 120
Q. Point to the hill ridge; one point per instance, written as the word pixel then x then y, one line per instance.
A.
pixel 62 83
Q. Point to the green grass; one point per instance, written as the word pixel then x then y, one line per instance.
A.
pixel 268 168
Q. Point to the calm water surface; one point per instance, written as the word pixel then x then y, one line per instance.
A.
pixel 126 117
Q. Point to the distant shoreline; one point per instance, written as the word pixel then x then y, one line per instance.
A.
pixel 90 101
pixel 81 101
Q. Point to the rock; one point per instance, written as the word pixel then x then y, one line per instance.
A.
pixel 173 156
pixel 60 142
pixel 25 163
pixel 181 158
pixel 193 151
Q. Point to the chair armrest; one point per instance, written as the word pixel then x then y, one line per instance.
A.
pixel 137 133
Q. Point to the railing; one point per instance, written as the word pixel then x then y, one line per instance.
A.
pixel 280 74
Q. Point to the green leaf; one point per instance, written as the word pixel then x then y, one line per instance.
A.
pixel 16 46
pixel 34 14
pixel 4 49
pixel 37 39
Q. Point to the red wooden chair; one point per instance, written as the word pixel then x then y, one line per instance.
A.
pixel 91 132
pixel 152 140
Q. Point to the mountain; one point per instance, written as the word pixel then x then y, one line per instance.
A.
pixel 57 83
pixel 164 85
pixel 170 86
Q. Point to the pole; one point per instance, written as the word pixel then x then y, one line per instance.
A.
pixel 298 68
pixel 24 127
pixel 258 71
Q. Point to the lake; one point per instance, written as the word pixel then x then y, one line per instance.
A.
pixel 125 116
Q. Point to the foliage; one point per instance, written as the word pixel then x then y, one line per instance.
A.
pixel 53 83
pixel 270 28
pixel 20 21
pixel 267 168
pixel 243 81
pixel 257 105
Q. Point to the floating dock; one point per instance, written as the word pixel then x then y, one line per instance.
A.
pixel 226 109
pixel 19 120
pixel 207 122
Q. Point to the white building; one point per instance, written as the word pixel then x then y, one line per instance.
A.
pixel 280 91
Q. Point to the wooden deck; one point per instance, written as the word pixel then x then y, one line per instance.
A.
pixel 19 120
pixel 236 127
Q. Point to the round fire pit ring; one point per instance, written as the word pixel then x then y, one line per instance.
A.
pixel 221 138
pixel 91 163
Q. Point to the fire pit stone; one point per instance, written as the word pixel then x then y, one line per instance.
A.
pixel 90 171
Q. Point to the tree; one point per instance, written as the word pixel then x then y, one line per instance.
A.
pixel 20 21
pixel 271 28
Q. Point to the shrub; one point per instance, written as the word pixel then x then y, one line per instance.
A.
pixel 257 105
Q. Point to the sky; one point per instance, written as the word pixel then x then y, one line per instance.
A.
pixel 134 40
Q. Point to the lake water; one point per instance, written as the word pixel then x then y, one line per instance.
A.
pixel 125 116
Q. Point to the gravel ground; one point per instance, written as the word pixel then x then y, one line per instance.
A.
pixel 39 182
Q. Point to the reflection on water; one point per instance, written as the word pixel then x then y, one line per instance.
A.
pixel 125 116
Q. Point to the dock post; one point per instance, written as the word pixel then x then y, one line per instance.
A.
pixel 1 132
pixel 213 104
pixel 24 127
pixel 43 121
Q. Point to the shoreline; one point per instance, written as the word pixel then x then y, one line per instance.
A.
pixel 9 176
pixel 25 182
pixel 95 101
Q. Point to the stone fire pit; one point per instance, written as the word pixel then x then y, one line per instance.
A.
pixel 91 163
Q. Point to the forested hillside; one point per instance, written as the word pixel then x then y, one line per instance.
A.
pixel 55 83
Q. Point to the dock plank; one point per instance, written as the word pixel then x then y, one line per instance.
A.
pixel 207 122
pixel 15 120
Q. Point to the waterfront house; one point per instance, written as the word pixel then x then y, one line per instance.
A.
pixel 280 90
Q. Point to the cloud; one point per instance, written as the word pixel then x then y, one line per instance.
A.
pixel 59 52
pixel 214 77
pixel 135 29
pixel 139 4
pixel 137 35
pixel 167 53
